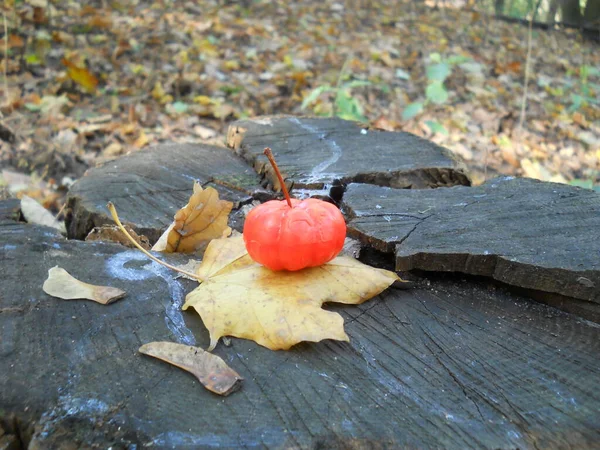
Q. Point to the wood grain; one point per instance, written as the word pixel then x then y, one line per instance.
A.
pixel 523 232
pixel 148 187
pixel 313 152
pixel 450 364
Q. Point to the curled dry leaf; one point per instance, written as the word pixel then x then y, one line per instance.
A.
pixel 63 285
pixel 241 298
pixel 211 371
pixel 112 233
pixel 204 218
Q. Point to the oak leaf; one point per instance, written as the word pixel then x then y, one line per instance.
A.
pixel 204 218
pixel 241 298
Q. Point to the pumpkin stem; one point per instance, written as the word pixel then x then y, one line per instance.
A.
pixel 269 154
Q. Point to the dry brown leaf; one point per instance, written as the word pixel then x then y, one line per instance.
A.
pixel 63 285
pixel 15 41
pixel 113 150
pixel 99 21
pixel 383 123
pixel 241 298
pixel 214 374
pixel 112 233
pixel 37 214
pixel 204 218
pixel 142 140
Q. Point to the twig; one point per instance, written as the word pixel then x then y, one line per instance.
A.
pixel 339 82
pixel 526 81
pixel 341 75
pixel 5 61
pixel 113 213
pixel 485 163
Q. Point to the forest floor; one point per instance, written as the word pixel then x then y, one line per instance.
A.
pixel 85 84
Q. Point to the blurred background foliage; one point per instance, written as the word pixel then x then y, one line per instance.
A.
pixel 509 86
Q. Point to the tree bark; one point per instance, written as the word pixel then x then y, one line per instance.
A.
pixel 552 10
pixel 499 7
pixel 591 16
pixel 571 12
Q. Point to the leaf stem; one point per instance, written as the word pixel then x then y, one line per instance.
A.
pixel 269 154
pixel 113 213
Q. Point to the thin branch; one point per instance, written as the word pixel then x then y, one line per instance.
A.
pixel 113 213
pixel 526 81
pixel 339 82
pixel 5 61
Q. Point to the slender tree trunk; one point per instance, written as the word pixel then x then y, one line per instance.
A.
pixel 499 7
pixel 552 10
pixel 571 12
pixel 591 16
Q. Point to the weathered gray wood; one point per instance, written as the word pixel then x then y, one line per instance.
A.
pixel 149 186
pixel 446 365
pixel 527 233
pixel 312 152
pixel 10 210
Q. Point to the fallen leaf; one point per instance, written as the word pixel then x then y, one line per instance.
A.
pixel 241 298
pixel 81 76
pixel 35 213
pixel 204 132
pixel 63 285
pixel 15 41
pixel 99 21
pixel 112 233
pixel 214 374
pixel 191 266
pixel 142 140
pixel 159 94
pixel 382 123
pixel 51 105
pixel 113 150
pixel 204 218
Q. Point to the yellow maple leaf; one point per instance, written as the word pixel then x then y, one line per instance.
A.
pixel 204 218
pixel 81 76
pixel 241 298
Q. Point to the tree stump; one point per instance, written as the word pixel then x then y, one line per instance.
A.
pixel 523 232
pixel 312 153
pixel 451 362
pixel 149 186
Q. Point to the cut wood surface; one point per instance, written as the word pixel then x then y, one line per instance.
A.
pixel 449 364
pixel 531 234
pixel 148 187
pixel 312 152
pixel 10 210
